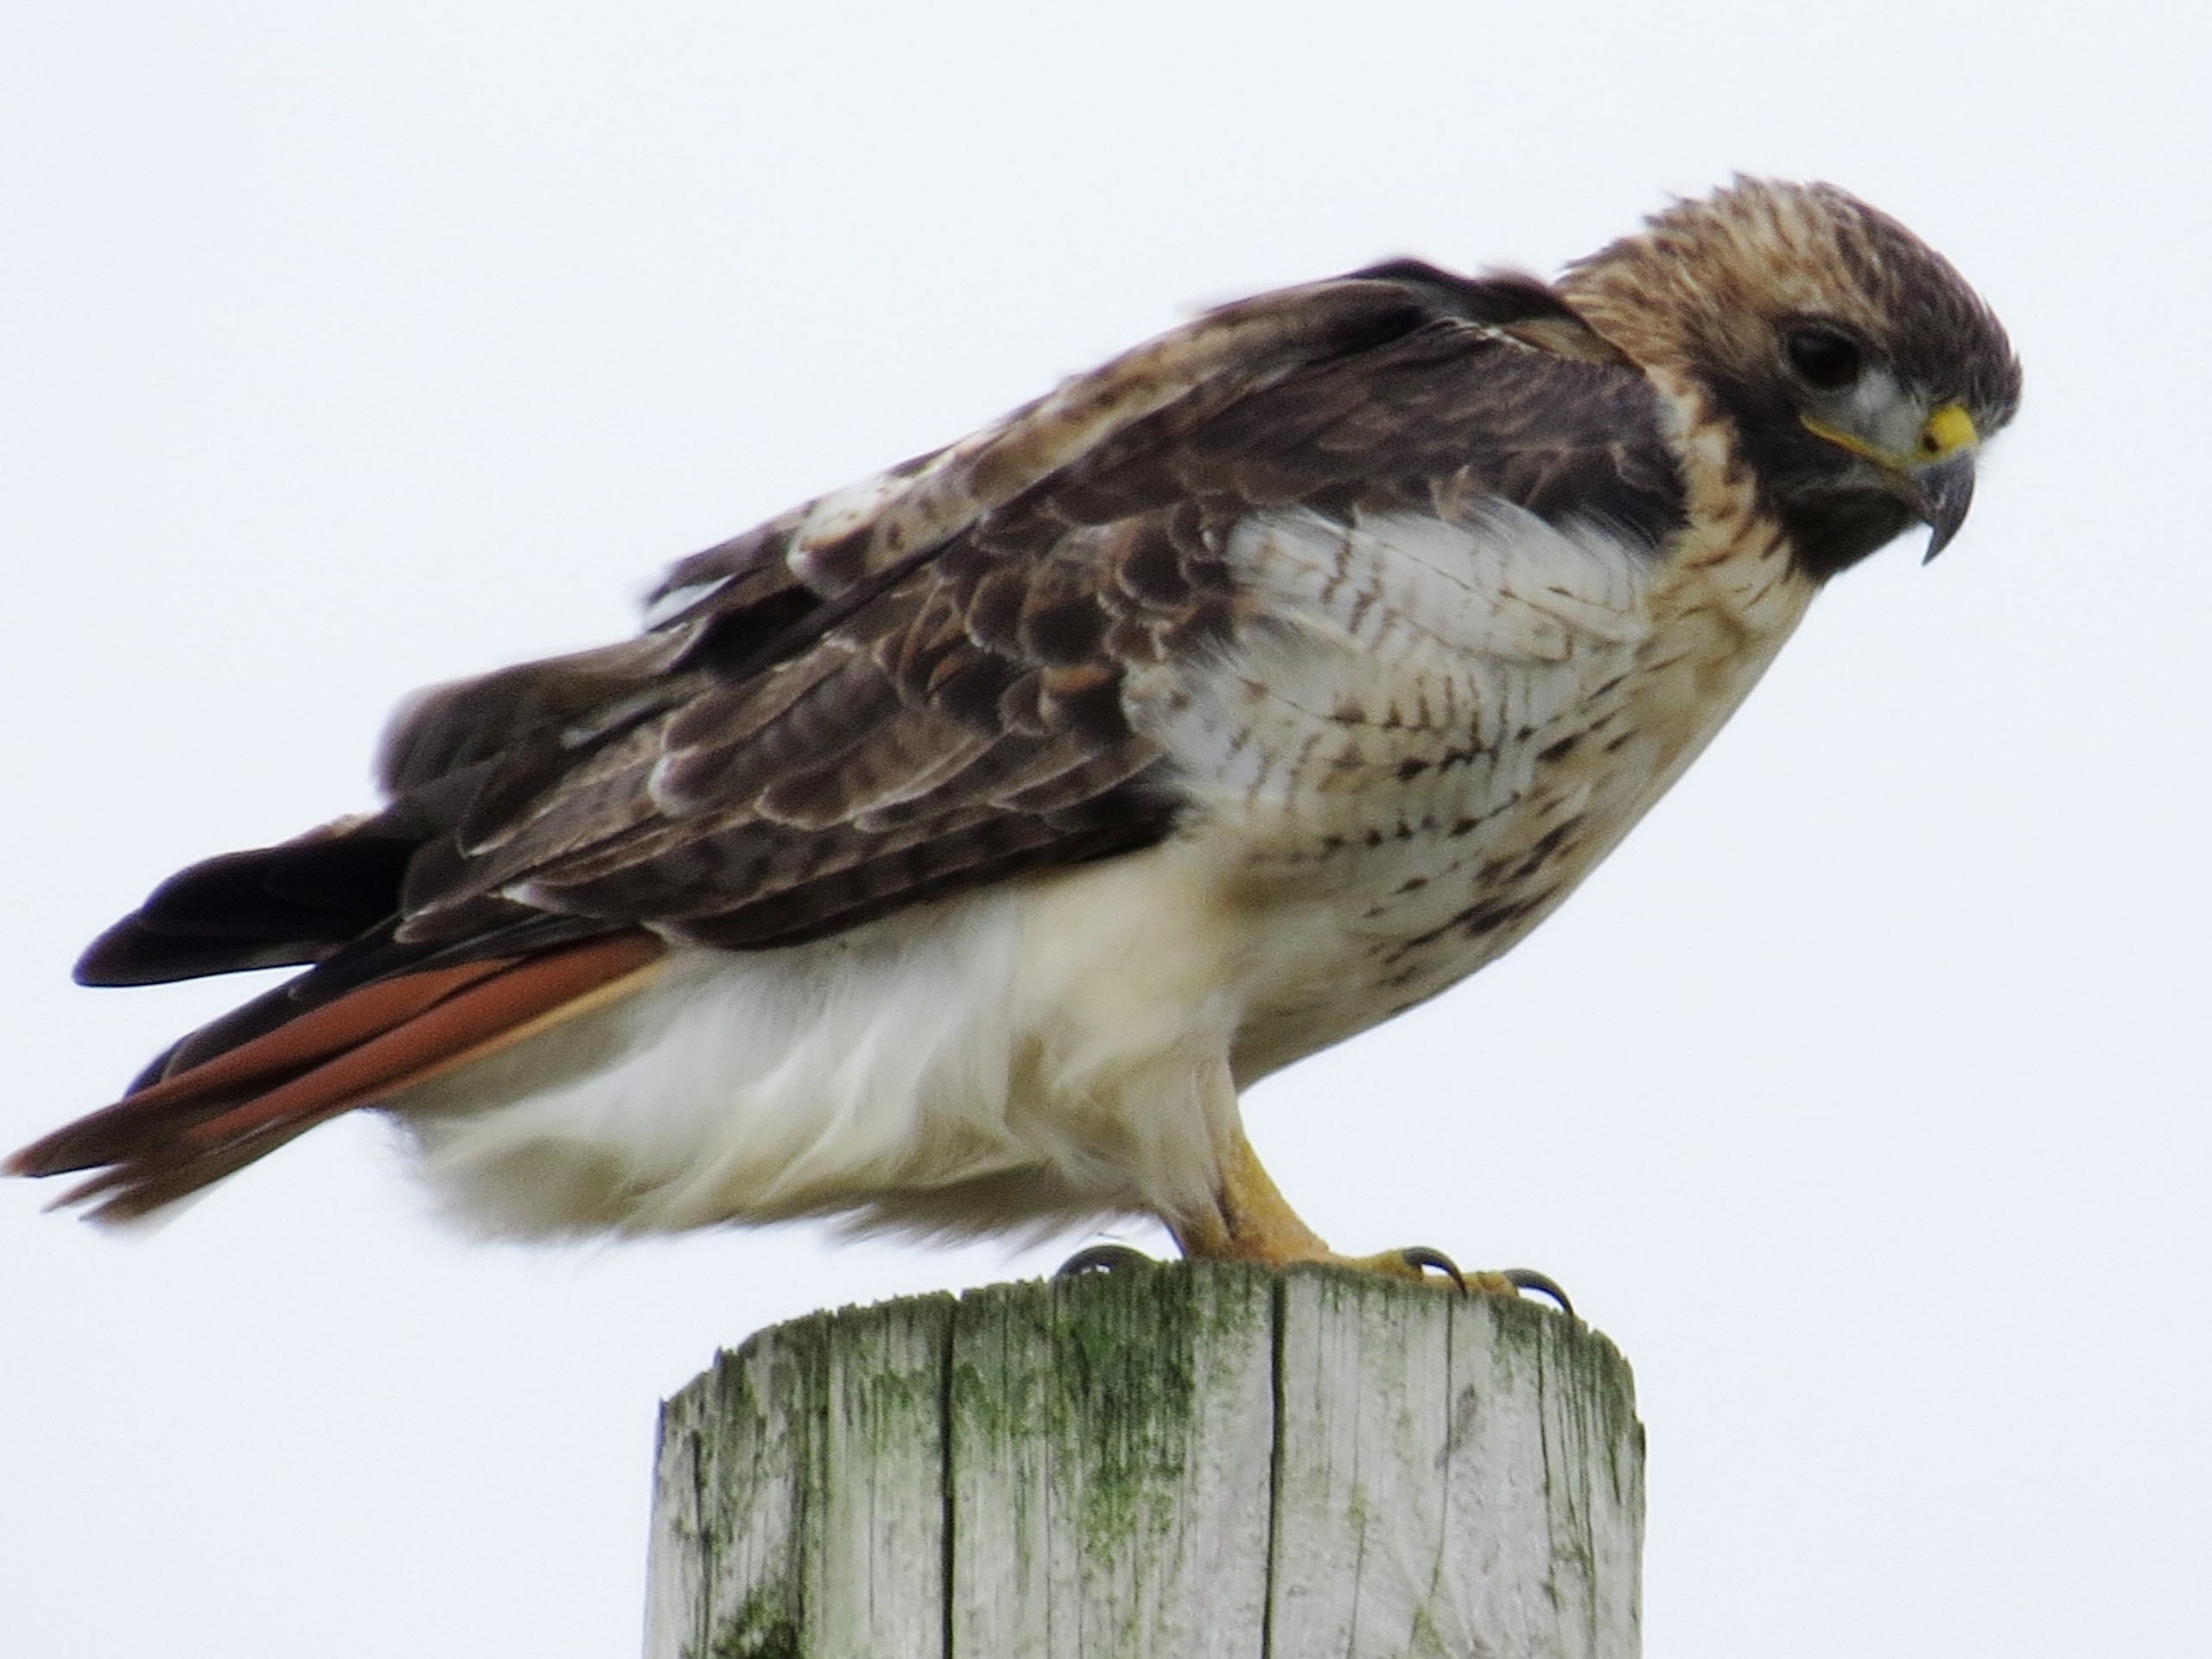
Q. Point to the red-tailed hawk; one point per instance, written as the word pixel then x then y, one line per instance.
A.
pixel 950 852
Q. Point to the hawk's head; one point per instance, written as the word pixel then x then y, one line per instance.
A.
pixel 1861 370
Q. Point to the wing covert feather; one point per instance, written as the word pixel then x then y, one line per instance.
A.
pixel 934 678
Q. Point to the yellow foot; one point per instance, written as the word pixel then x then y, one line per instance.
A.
pixel 1251 1221
pixel 1417 1261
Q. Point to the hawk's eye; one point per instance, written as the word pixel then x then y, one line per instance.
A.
pixel 1825 359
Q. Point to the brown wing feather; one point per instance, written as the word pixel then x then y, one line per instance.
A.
pixel 890 695
pixel 849 660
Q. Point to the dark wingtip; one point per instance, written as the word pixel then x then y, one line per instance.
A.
pixel 115 958
pixel 130 953
pixel 281 907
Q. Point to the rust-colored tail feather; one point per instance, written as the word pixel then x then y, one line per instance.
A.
pixel 186 1130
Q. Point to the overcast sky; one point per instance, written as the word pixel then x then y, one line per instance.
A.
pixel 1860 1097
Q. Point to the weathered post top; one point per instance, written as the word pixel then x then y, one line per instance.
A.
pixel 1174 1463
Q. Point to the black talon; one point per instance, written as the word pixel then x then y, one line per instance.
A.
pixel 1542 1283
pixel 1101 1258
pixel 1421 1258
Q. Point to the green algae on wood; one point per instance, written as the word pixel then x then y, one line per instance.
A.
pixel 1105 1440
pixel 1197 1461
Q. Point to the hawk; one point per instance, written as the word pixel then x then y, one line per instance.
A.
pixel 949 853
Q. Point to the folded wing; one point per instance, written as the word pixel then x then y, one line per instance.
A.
pixel 932 681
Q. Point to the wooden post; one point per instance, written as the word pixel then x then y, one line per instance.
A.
pixel 1173 1463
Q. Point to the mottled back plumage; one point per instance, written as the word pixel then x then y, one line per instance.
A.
pixel 1014 807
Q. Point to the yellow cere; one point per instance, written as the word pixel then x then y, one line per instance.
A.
pixel 1949 429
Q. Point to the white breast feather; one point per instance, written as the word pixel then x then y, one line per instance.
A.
pixel 1056 1047
pixel 1401 637
pixel 1043 1051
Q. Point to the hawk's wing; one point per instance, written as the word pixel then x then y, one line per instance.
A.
pixel 925 683
pixel 919 685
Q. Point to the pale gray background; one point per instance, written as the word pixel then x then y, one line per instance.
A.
pixel 1860 1097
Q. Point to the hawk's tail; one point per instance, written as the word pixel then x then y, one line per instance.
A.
pixel 177 1132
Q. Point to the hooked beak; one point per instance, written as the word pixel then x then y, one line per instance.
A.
pixel 1940 492
pixel 1936 480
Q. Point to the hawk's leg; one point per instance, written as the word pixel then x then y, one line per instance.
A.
pixel 1251 1221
